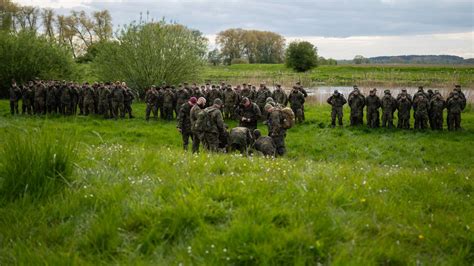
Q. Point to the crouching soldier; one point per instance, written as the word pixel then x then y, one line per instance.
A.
pixel 240 138
pixel 263 144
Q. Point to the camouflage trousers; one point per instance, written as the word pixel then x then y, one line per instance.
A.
pixel 128 109
pixel 454 121
pixel 40 106
pixel 198 138
pixel 151 108
pixel 403 120
pixel 298 111
pixel 186 135
pixel 373 118
pixel 279 141
pixel 14 107
pixel 118 109
pixel 336 112
pixel 357 118
pixel 26 107
pixel 88 107
pixel 436 122
pixel 212 141
pixel 421 120
pixel 387 119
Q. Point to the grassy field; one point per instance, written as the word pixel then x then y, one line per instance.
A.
pixel 363 75
pixel 344 196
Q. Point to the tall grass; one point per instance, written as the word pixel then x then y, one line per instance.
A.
pixel 34 164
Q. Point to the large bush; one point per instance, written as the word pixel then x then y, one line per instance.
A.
pixel 152 53
pixel 24 56
pixel 301 56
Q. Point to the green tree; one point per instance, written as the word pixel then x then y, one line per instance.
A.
pixel 359 59
pixel 301 56
pixel 151 53
pixel 25 56
pixel 214 57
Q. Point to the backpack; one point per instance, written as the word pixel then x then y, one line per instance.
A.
pixel 203 120
pixel 288 118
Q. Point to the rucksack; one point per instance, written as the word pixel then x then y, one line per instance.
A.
pixel 203 120
pixel 288 118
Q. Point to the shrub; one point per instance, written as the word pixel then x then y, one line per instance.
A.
pixel 34 164
pixel 301 56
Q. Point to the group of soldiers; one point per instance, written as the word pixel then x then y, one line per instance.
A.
pixel 200 112
pixel 165 101
pixel 111 99
pixel 427 108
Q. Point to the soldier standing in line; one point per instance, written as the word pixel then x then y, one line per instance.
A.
pixel 336 101
pixel 373 104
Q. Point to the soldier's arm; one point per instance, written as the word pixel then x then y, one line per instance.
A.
pixel 329 100
pixel 220 122
pixel 258 112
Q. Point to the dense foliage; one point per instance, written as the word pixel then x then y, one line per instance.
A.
pixel 147 54
pixel 24 56
pixel 301 56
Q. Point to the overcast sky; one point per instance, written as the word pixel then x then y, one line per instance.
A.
pixel 340 29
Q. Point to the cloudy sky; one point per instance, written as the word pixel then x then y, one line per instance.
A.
pixel 340 29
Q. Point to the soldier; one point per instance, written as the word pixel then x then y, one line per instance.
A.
pixel 240 138
pixel 40 97
pixel 373 104
pixel 230 102
pixel 80 97
pixel 160 93
pixel 404 107
pixel 117 101
pixel 88 95
pixel 296 99
pixel 437 106
pixel 127 100
pixel 151 100
pixel 305 94
pixel 455 106
pixel 389 104
pixel 450 96
pixel 15 94
pixel 66 99
pixel 263 144
pixel 275 129
pixel 168 101
pixel 356 102
pixel 246 92
pixel 105 97
pixel 280 96
pixel 214 93
pixel 421 107
pixel 75 97
pixel 27 99
pixel 248 114
pixel 184 121
pixel 216 125
pixel 196 129
pixel 404 92
pixel 50 98
pixel 181 96
pixel 262 94
pixel 336 101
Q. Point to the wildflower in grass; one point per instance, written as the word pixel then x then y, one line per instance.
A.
pixel 224 250
pixel 363 200
pixel 421 237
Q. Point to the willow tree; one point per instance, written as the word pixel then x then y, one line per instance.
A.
pixel 147 54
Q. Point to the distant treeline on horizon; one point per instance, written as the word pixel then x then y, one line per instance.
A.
pixel 411 59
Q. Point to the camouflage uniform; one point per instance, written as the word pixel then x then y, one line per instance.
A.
pixel 40 97
pixel 463 101
pixel 373 104
pixel 337 101
pixel 262 94
pixel 437 106
pixel 296 99
pixel 421 107
pixel 151 100
pixel 198 133
pixel 389 104
pixel 264 144
pixel 230 102
pixel 182 95
pixel 216 128
pixel 51 99
pixel 66 100
pixel 117 102
pixel 127 101
pixel 404 107
pixel 168 101
pixel 455 106
pixel 276 131
pixel 248 116
pixel 356 103
pixel 280 96
pixel 27 100
pixel 88 99
pixel 240 138
pixel 15 95
pixel 105 101
pixel 184 123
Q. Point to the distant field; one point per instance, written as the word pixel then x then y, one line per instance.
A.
pixel 364 75
pixel 349 196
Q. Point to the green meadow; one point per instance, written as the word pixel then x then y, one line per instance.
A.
pixel 124 192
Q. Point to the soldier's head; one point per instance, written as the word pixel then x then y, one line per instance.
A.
pixel 218 103
pixel 456 95
pixel 278 86
pixel 457 86
pixel 295 89
pixel 404 90
pixel 336 93
pixel 201 101
pixel 298 83
pixel 355 87
pixel 420 88
pixel 372 92
pixel 256 133
pixel 430 91
pixel 268 108
pixel 192 101
pixel 245 102
pixel 262 85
